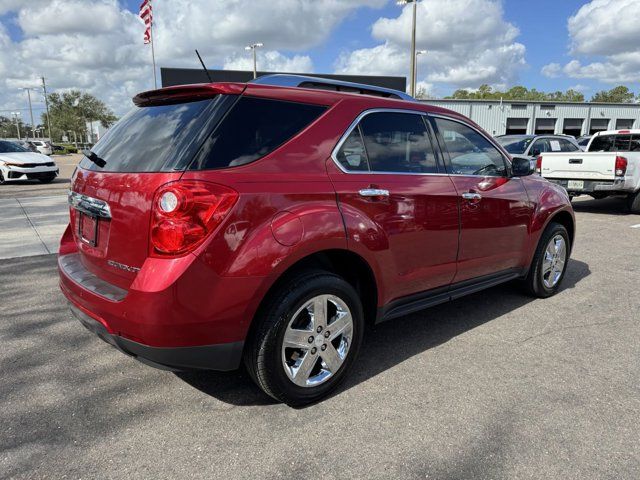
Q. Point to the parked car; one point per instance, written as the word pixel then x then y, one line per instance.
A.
pixel 58 149
pixel 583 142
pixel 43 147
pixel 610 166
pixel 19 163
pixel 530 146
pixel 225 222
pixel 26 144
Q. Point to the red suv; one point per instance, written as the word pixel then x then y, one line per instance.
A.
pixel 223 222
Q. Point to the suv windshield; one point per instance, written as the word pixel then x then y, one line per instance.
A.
pixel 157 138
pixel 515 145
pixel 11 147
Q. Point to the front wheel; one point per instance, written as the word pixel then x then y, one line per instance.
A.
pixel 549 262
pixel 307 338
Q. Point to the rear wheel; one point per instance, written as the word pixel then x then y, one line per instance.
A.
pixel 1 178
pixel 307 338
pixel 549 262
pixel 634 203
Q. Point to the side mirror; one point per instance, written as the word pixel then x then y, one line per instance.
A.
pixel 521 167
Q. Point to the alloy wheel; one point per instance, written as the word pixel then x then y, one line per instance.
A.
pixel 317 340
pixel 555 256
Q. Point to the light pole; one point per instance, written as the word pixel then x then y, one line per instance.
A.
pixel 15 117
pixel 415 71
pixel 28 89
pixel 253 47
pixel 412 91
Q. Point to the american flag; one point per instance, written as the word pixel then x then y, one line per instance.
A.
pixel 146 15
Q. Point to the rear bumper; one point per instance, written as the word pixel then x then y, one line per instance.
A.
pixel 222 357
pixel 594 186
pixel 193 323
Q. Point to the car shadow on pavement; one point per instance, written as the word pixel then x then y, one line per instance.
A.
pixel 391 343
pixel 607 206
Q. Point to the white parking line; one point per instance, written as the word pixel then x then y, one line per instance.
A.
pixel 635 226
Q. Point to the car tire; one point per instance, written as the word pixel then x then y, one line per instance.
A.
pixel 47 179
pixel 548 266
pixel 1 179
pixel 287 356
pixel 634 203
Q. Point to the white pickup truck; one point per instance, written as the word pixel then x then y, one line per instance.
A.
pixel 609 166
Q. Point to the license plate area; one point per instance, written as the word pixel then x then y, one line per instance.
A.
pixel 575 185
pixel 88 229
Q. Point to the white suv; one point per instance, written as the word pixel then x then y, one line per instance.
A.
pixel 43 147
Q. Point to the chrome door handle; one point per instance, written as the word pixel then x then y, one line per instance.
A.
pixel 373 192
pixel 472 196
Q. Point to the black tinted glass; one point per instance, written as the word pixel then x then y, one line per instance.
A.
pixel 159 138
pixel 398 142
pixel 603 143
pixel 514 145
pixel 635 144
pixel 470 152
pixel 252 129
pixel 567 146
pixel 352 155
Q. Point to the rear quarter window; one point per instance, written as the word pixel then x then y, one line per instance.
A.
pixel 253 128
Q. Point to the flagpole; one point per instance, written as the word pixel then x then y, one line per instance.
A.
pixel 153 54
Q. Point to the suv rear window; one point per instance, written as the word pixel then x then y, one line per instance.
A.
pixel 158 138
pixel 252 129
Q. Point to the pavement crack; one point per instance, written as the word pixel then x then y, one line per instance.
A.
pixel 571 327
pixel 32 225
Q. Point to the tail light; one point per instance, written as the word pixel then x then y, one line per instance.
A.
pixel 539 165
pixel 185 213
pixel 621 166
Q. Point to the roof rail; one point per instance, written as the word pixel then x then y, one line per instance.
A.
pixel 303 81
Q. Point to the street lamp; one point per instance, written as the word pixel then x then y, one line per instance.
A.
pixel 15 117
pixel 415 71
pixel 412 91
pixel 253 47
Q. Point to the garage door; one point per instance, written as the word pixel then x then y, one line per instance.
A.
pixel 598 125
pixel 517 126
pixel 624 124
pixel 545 125
pixel 572 126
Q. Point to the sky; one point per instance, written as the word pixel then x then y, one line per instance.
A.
pixel 97 45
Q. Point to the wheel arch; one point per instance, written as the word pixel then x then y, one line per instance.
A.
pixel 344 263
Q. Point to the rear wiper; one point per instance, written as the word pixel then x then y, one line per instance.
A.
pixel 94 158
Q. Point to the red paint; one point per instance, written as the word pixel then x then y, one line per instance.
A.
pixel 293 203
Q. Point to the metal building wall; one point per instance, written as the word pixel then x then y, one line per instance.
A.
pixel 493 115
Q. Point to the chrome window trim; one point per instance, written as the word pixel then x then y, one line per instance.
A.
pixel 490 140
pixel 356 122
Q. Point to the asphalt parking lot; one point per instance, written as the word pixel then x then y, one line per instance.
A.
pixel 495 385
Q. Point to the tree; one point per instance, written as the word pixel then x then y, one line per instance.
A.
pixel 485 92
pixel 619 94
pixel 70 112
pixel 8 128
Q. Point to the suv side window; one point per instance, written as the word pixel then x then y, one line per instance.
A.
pixel 398 142
pixel 389 142
pixel 352 155
pixel 470 152
pixel 567 146
pixel 252 129
pixel 540 146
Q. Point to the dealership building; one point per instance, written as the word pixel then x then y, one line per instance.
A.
pixel 495 116
pixel 517 117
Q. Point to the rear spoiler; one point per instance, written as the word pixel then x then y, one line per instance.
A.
pixel 187 93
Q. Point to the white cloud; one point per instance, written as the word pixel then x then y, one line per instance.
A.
pixel 96 45
pixel 468 42
pixel 271 61
pixel 609 29
pixel 552 70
